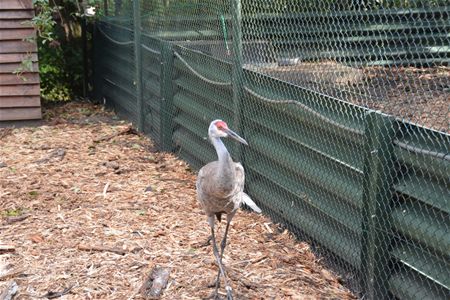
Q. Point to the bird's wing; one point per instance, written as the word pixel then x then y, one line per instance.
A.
pixel 200 177
pixel 249 202
pixel 208 185
pixel 240 181
pixel 202 196
pixel 239 177
pixel 215 195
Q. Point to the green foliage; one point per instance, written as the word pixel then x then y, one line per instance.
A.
pixel 59 48
pixel 14 212
pixel 33 193
pixel 61 70
pixel 55 80
pixel 26 65
pixel 43 21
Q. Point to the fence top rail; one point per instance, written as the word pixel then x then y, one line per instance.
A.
pixel 441 10
pixel 411 148
pixel 305 108
pixel 384 13
pixel 112 24
pixel 210 81
pixel 113 40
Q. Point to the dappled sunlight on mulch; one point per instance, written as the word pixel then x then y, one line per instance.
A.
pixel 90 206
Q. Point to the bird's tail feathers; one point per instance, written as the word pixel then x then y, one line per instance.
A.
pixel 249 202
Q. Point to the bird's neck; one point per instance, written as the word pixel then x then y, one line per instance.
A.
pixel 222 152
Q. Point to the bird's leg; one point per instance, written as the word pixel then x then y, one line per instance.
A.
pixel 219 261
pixel 222 246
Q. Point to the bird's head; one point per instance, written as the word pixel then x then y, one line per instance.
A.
pixel 219 129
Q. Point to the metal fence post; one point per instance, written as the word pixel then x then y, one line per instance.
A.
pixel 377 204
pixel 237 71
pixel 166 114
pixel 96 63
pixel 105 6
pixel 138 64
pixel 85 55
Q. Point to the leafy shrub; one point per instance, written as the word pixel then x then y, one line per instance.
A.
pixel 58 23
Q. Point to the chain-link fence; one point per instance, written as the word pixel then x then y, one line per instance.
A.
pixel 345 105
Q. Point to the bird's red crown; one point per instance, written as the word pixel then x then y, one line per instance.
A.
pixel 221 125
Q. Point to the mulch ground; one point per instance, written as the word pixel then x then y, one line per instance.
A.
pixel 88 208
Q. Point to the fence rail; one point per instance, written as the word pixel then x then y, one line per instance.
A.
pixel 354 36
pixel 370 188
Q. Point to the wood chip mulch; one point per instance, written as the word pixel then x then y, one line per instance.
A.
pixel 88 208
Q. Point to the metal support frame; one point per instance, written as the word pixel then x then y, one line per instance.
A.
pixel 85 56
pixel 105 7
pixel 237 71
pixel 96 64
pixel 167 67
pixel 377 205
pixel 138 63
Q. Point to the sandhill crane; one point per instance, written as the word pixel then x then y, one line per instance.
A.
pixel 220 186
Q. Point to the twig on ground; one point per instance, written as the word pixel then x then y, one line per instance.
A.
pixel 53 295
pixel 7 248
pixel 105 189
pixel 84 247
pixel 11 274
pixel 5 132
pixel 57 154
pixel 10 220
pixel 127 130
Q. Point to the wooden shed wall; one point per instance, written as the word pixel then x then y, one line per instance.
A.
pixel 19 96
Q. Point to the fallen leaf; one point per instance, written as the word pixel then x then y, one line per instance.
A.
pixel 36 238
pixel 327 274
pixel 111 164
pixel 159 233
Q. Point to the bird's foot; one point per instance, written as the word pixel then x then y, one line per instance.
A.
pixel 207 243
pixel 213 284
pixel 229 293
pixel 214 296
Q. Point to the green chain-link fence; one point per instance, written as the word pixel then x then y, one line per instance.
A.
pixel 345 105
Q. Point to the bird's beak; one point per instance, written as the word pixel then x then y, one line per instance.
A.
pixel 235 136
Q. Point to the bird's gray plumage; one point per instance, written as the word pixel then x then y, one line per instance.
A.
pixel 220 188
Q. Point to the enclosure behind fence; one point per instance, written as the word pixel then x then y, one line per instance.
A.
pixel 345 106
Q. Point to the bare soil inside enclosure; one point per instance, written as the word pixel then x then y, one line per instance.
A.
pixel 417 95
pixel 88 208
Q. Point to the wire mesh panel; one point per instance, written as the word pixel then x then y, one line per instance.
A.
pixel 203 90
pixel 386 55
pixel 420 217
pixel 152 90
pixel 115 60
pixel 391 57
pixel 304 153
pixel 345 105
